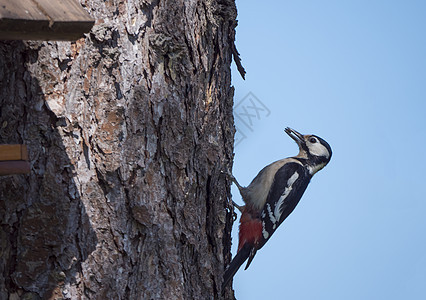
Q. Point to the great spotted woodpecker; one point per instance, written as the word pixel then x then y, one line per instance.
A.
pixel 273 194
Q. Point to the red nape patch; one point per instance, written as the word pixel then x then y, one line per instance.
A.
pixel 250 230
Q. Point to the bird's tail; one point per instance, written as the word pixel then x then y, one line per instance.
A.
pixel 235 264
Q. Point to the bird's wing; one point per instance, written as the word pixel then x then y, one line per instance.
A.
pixel 289 184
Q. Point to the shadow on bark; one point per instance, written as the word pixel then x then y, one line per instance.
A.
pixel 45 232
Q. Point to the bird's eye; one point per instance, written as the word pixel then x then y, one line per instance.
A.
pixel 313 140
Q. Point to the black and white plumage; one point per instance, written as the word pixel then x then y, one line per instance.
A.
pixel 273 194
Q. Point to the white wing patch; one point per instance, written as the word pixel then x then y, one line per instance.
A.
pixel 258 190
pixel 278 207
pixel 271 215
pixel 264 232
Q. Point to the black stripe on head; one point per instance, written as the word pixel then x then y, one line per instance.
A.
pixel 305 147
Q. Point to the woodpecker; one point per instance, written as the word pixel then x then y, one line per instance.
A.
pixel 272 196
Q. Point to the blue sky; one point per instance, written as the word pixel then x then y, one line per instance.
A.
pixel 354 73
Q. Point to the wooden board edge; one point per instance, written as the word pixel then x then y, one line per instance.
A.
pixel 14 167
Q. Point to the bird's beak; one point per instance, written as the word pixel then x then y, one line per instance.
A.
pixel 298 137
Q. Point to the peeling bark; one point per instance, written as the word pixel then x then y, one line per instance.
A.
pixel 128 131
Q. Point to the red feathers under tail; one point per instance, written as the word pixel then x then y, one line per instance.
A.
pixel 250 229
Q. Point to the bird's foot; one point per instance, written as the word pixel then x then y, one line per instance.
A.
pixel 239 207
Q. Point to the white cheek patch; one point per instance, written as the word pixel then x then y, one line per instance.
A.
pixel 318 149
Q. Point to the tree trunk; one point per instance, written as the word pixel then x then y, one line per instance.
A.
pixel 128 131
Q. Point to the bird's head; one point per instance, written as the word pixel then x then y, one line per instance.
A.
pixel 314 149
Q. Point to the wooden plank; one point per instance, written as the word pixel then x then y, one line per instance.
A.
pixel 24 152
pixel 64 10
pixel 21 10
pixel 13 152
pixel 14 167
pixel 63 20
pixel 38 31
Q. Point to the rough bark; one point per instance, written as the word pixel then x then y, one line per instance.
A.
pixel 128 130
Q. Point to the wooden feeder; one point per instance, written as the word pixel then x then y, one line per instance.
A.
pixel 60 20
pixel 14 160
pixel 63 20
